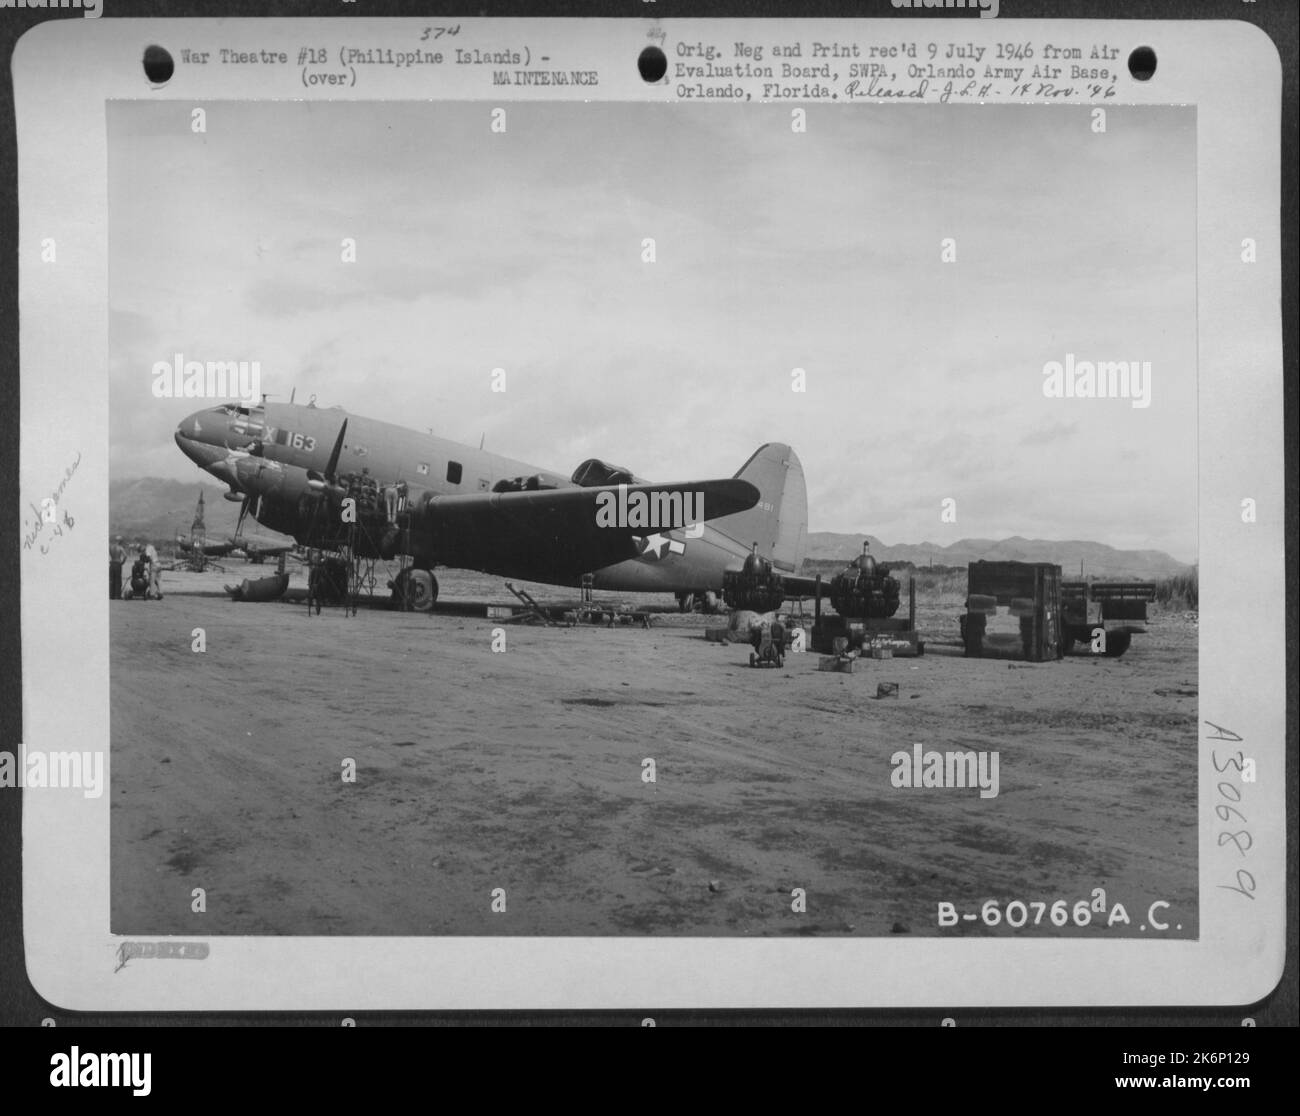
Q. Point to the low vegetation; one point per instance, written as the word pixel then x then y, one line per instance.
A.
pixel 940 585
pixel 1180 592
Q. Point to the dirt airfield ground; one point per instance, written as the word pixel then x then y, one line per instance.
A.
pixel 523 771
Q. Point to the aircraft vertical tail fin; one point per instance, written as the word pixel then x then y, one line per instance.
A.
pixel 779 521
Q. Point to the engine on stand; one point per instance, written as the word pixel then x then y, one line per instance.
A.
pixel 865 589
pixel 756 587
pixel 866 596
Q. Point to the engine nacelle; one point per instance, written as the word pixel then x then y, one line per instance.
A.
pixel 593 473
pixel 536 483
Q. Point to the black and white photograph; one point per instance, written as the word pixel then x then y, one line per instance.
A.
pixel 650 515
pixel 898 637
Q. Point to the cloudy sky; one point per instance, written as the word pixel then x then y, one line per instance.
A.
pixel 775 251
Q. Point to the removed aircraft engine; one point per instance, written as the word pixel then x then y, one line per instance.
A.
pixel 756 587
pixel 866 596
pixel 865 589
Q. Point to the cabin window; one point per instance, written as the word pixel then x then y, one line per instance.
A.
pixel 453 472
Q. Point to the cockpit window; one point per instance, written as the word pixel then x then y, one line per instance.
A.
pixel 248 421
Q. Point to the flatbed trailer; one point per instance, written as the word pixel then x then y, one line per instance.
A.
pixel 1117 608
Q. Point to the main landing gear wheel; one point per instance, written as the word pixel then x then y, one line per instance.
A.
pixel 1117 643
pixel 417 588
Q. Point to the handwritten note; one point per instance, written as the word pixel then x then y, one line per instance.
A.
pixel 49 521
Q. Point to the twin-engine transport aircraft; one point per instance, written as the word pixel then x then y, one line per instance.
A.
pixel 332 480
pixel 250 546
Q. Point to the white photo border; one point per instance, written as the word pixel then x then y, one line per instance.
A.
pixel 1229 70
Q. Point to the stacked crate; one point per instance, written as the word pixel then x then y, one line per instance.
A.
pixel 1031 593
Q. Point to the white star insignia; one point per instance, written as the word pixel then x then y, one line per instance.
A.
pixel 652 546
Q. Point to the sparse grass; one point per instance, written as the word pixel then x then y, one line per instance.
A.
pixel 946 587
pixel 1180 592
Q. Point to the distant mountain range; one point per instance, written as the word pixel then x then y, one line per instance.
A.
pixel 157 509
pixel 1099 560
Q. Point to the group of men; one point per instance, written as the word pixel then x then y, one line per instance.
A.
pixel 146 573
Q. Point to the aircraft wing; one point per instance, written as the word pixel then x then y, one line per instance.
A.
pixel 560 534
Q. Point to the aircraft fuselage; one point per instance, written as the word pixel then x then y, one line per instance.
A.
pixel 292 444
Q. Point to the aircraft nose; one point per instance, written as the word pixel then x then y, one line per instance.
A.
pixel 197 438
pixel 189 446
pixel 196 425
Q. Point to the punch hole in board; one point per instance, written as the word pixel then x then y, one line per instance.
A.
pixel 653 64
pixel 158 64
pixel 1142 63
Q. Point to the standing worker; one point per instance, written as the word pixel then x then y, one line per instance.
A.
pixel 116 556
pixel 155 571
pixel 152 569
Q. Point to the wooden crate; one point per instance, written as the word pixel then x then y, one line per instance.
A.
pixel 840 664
